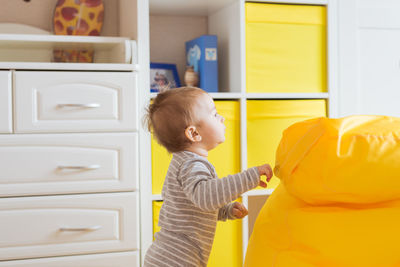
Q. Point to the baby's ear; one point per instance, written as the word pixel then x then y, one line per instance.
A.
pixel 192 134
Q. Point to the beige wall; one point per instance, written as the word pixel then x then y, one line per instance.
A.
pixel 168 35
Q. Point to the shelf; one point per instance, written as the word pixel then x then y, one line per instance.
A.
pixel 187 7
pixel 156 197
pixel 287 95
pixel 204 8
pixel 302 2
pixel 68 66
pixel 215 95
pixel 259 192
pixel 39 48
pixel 226 95
pixel 41 39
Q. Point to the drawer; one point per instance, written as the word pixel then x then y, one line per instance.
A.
pixel 37 164
pixel 5 102
pixel 49 226
pixel 75 101
pixel 118 259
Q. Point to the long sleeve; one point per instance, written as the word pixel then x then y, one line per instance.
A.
pixel 208 193
pixel 225 212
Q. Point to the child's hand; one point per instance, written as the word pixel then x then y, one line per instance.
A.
pixel 267 171
pixel 239 210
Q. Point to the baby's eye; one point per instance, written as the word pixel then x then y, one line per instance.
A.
pixel 216 115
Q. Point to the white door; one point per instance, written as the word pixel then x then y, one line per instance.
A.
pixel 5 102
pixel 369 57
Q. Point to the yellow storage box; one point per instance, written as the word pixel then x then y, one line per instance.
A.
pixel 226 156
pixel 285 48
pixel 160 159
pixel 266 120
pixel 339 200
pixel 156 212
pixel 227 246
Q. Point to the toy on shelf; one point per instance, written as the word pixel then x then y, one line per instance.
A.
pixel 191 77
pixel 82 17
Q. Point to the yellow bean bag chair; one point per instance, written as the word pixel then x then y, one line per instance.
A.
pixel 338 203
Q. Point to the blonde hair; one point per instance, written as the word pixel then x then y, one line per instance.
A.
pixel 168 116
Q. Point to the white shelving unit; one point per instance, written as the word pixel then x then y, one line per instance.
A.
pixel 226 19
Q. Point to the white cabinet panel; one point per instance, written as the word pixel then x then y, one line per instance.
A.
pixel 369 57
pixel 379 71
pixel 66 225
pixel 68 163
pixel 5 102
pixel 75 101
pixel 118 259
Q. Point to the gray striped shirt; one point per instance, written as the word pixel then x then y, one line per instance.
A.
pixel 194 199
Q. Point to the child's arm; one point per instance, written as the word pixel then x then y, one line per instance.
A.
pixel 210 194
pixel 231 211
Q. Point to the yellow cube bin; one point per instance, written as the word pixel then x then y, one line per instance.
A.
pixel 156 212
pixel 266 120
pixel 227 247
pixel 160 159
pixel 285 48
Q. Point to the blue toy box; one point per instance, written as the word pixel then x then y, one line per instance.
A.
pixel 201 53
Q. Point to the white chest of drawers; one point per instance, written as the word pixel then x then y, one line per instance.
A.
pixel 69 169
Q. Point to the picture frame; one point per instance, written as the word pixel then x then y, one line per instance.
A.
pixel 163 76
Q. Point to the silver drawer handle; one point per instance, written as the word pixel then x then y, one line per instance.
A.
pixel 80 229
pixel 91 105
pixel 85 168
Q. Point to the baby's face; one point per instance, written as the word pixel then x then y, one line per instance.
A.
pixel 210 124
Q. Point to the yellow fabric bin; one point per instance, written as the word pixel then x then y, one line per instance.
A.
pixel 266 120
pixel 227 247
pixel 285 48
pixel 339 200
pixel 160 159
pixel 156 212
pixel 226 156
